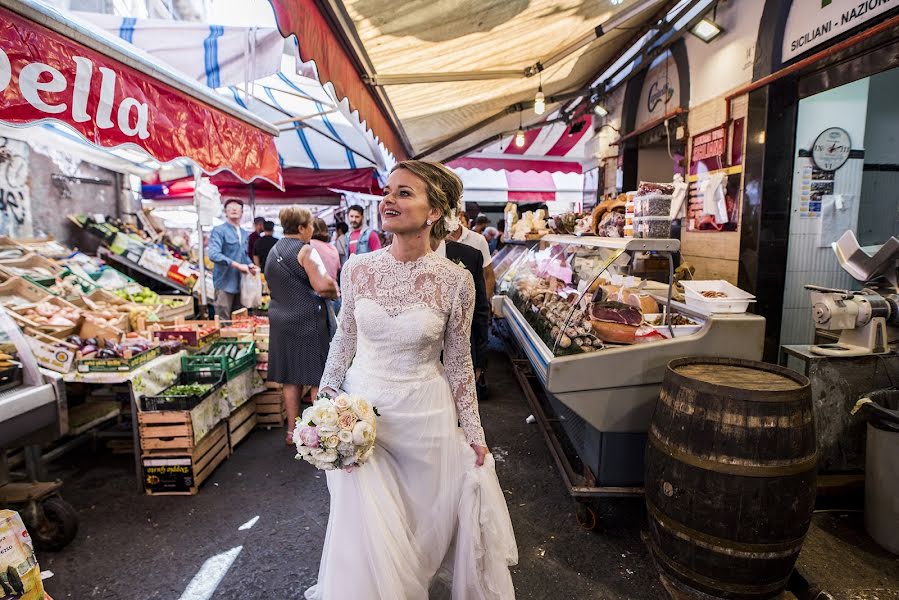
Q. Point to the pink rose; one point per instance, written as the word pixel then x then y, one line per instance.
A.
pixel 309 437
pixel 346 420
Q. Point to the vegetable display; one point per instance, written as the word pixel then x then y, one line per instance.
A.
pixel 188 389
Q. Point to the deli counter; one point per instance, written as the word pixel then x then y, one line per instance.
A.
pixel 598 339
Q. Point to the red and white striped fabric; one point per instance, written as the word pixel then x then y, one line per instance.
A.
pixel 547 168
pixel 555 141
pixel 490 186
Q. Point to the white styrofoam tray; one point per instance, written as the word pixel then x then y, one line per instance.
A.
pixel 679 330
pixel 735 300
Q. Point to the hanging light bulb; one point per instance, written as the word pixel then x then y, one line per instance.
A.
pixel 519 138
pixel 539 102
pixel 519 135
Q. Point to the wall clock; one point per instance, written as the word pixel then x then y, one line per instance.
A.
pixel 831 149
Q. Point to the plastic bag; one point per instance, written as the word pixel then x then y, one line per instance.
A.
pixel 251 290
pixel 31 374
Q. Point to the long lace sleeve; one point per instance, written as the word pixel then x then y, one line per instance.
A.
pixel 457 360
pixel 343 345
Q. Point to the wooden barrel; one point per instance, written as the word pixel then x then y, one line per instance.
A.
pixel 730 475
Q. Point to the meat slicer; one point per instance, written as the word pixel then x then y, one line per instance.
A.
pixel 868 319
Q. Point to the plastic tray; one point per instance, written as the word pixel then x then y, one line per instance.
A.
pixel 167 401
pixel 735 300
pixel 679 330
pixel 223 365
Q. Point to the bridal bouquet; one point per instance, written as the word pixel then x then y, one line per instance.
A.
pixel 336 433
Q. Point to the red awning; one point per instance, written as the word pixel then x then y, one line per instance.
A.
pixel 318 43
pixel 63 71
pixel 298 183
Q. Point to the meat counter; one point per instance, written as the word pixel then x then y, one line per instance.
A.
pixel 599 339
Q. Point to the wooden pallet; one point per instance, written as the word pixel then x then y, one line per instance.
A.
pixel 241 422
pixel 197 465
pixel 270 411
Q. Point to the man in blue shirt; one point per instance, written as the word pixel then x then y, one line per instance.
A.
pixel 228 252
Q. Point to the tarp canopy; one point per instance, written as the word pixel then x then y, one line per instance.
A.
pixel 258 70
pixel 452 73
pixel 56 67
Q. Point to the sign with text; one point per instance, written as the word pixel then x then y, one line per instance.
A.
pixel 708 150
pixel 45 75
pixel 813 22
pixel 661 91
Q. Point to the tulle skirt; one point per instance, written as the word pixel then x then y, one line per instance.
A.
pixel 419 514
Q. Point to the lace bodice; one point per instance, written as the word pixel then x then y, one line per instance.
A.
pixel 396 319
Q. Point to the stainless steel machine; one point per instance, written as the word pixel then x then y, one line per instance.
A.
pixel 868 319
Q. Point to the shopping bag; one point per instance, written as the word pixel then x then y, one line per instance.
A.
pixel 251 290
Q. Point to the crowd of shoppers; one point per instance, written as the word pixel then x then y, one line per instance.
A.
pixel 302 270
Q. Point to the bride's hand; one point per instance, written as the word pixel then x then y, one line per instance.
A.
pixel 482 452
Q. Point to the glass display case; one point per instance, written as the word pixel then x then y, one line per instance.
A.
pixel 579 296
pixel 598 341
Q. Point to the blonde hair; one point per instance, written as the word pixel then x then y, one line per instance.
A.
pixel 444 189
pixel 293 218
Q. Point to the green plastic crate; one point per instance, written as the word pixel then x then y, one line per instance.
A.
pixel 208 362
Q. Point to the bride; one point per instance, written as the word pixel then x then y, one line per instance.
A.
pixel 426 512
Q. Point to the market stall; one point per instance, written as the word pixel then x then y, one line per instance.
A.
pixel 595 337
pixel 85 322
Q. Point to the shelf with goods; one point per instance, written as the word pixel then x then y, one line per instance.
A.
pixel 572 309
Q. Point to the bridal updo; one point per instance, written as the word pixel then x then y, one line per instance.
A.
pixel 444 191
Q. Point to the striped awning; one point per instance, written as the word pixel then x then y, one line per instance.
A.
pixel 249 68
pixel 490 186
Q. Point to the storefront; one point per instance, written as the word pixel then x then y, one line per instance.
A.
pixel 820 156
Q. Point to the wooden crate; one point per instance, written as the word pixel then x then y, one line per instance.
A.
pixel 169 431
pixel 168 473
pixel 241 422
pixel 270 411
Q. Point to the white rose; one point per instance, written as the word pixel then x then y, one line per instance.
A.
pixel 345 436
pixel 327 431
pixel 330 442
pixel 342 402
pixel 325 414
pixel 304 451
pixel 363 410
pixel 328 456
pixel 362 434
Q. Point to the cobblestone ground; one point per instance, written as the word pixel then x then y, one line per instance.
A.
pixel 132 546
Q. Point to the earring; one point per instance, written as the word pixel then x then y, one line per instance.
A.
pixel 429 222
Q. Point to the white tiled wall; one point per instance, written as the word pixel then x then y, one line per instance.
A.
pixel 807 262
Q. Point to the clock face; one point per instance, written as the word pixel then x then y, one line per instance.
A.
pixel 831 150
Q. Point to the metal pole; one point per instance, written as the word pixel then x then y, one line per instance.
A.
pixel 200 243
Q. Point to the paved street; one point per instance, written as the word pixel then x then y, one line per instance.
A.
pixel 132 546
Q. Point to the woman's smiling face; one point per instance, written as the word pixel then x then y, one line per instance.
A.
pixel 405 207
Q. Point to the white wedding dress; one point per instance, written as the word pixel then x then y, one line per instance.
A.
pixel 419 514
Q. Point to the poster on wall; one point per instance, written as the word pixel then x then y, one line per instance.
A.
pixel 15 197
pixel 707 151
pixel 715 201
